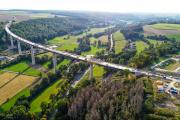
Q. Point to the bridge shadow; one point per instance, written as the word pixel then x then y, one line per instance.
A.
pixel 14 77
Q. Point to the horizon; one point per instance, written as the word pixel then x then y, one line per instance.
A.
pixel 117 6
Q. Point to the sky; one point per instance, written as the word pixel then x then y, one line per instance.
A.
pixel 151 6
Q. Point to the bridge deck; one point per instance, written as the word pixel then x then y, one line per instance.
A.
pixel 74 56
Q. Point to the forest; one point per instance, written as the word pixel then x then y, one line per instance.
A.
pixel 113 99
pixel 41 30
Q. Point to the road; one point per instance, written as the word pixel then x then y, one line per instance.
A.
pixel 111 42
pixel 163 70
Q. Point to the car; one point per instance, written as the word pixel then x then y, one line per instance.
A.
pixel 154 75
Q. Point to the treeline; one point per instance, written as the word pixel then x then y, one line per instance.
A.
pixel 16 60
pixel 160 37
pixel 132 32
pixel 119 99
pixel 3 37
pixel 120 58
pixel 41 30
pixel 2 33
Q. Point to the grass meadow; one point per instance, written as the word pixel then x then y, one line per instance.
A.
pixel 166 26
pixel 176 36
pixel 44 96
pixel 94 49
pixel 104 39
pixel 140 46
pixel 22 66
pixel 118 36
pixel 48 53
pixel 68 47
pixel 1 72
pixel 119 45
pixel 155 42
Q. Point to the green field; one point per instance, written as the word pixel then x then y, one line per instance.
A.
pixel 1 72
pixel 64 62
pixel 68 47
pixel 104 39
pixel 71 40
pixel 34 73
pixel 155 42
pixel 94 49
pixel 98 30
pixel 41 15
pixel 48 53
pixel 7 105
pixel 44 96
pixel 98 71
pixel 22 66
pixel 166 26
pixel 176 36
pixel 118 36
pixel 140 46
pixel 119 45
pixel 46 63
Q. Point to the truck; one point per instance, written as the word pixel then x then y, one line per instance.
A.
pixel 173 91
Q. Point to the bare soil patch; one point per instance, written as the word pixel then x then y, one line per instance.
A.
pixel 167 104
pixel 148 31
pixel 168 32
pixel 39 68
pixel 15 85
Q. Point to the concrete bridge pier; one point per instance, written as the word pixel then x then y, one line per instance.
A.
pixel 55 62
pixel 12 44
pixel 91 71
pixel 19 47
pixel 32 55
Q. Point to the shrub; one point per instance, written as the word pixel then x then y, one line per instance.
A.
pixel 148 106
pixel 154 117
pixel 164 112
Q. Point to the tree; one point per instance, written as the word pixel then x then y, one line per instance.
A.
pixel 30 115
pixel 148 77
pixel 95 42
pixel 64 73
pixel 40 74
pixel 44 106
pixel 99 43
pixel 126 72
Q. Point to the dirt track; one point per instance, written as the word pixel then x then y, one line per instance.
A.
pixel 167 104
